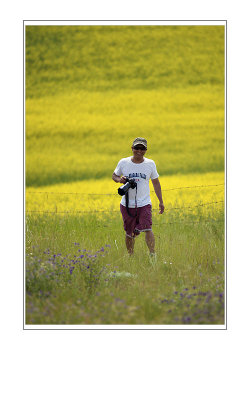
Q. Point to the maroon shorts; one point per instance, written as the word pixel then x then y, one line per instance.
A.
pixel 141 222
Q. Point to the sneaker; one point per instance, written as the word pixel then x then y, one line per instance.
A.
pixel 152 258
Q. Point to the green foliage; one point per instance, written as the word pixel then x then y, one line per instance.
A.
pixel 186 285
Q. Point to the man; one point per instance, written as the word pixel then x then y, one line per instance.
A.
pixel 140 208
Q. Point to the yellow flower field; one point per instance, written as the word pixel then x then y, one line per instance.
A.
pixel 91 90
pixel 82 135
pixel 101 195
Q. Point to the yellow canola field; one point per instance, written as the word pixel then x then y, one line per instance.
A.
pixel 180 192
pixel 67 134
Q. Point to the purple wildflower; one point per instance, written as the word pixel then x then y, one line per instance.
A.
pixel 118 299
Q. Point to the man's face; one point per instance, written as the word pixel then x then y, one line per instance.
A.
pixel 139 150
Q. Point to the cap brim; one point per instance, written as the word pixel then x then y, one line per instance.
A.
pixel 136 144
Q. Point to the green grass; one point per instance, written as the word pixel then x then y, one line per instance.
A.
pixel 190 261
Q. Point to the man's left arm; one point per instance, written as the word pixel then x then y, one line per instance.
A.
pixel 157 189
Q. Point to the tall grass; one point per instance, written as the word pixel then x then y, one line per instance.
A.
pixel 78 271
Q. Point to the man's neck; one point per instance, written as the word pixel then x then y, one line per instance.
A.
pixel 137 160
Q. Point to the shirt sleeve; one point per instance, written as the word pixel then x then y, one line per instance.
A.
pixel 118 170
pixel 154 173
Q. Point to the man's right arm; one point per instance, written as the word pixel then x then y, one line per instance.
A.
pixel 118 179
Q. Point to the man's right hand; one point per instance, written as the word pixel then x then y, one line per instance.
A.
pixel 123 179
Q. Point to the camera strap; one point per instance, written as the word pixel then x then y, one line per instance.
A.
pixel 127 203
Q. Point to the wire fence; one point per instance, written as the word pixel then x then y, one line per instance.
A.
pixel 115 194
pixel 94 211
pixel 185 222
pixel 117 211
pixel 181 222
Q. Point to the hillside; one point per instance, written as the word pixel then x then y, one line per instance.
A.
pixel 91 90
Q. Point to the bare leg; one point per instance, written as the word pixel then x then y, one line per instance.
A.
pixel 130 242
pixel 150 240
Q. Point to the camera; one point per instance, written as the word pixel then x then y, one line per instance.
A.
pixel 130 183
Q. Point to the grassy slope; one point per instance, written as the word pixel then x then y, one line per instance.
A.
pixel 107 85
pixel 122 57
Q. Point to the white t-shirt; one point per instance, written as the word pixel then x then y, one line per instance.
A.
pixel 141 173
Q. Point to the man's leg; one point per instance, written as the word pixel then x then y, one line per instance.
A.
pixel 130 242
pixel 129 226
pixel 150 240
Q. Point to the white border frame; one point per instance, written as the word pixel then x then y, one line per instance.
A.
pixel 110 23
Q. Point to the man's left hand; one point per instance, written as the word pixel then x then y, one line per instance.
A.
pixel 161 208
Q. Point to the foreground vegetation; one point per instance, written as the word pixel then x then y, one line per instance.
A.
pixel 78 271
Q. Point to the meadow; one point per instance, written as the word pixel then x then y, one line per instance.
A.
pixel 78 271
pixel 89 92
